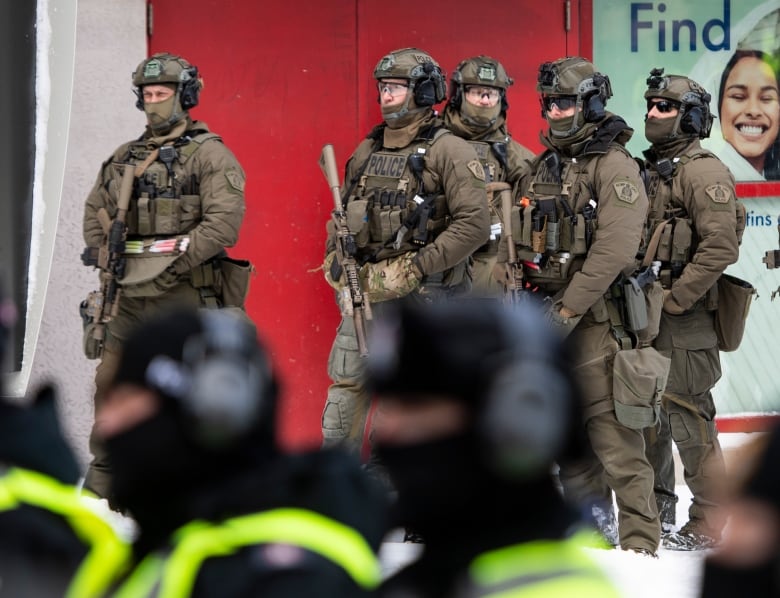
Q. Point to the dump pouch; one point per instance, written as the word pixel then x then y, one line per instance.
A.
pixel 734 297
pixel 232 279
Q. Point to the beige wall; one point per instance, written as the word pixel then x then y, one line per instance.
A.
pixel 110 42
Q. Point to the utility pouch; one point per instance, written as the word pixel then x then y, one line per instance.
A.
pixel 664 252
pixel 654 302
pixel 681 243
pixel 636 308
pixel 167 215
pixel 232 281
pixel 638 382
pixel 734 297
pixel 357 220
pixel 93 331
pixel 190 214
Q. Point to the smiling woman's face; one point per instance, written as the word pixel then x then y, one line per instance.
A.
pixel 750 111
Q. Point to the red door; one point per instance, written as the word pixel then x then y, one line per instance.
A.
pixel 283 79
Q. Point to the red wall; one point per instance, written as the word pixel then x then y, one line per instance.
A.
pixel 283 79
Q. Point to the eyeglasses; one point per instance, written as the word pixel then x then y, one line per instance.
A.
pixel 662 106
pixel 560 102
pixel 394 89
pixel 477 93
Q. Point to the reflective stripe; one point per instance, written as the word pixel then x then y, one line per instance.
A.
pixel 200 540
pixel 107 555
pixel 541 569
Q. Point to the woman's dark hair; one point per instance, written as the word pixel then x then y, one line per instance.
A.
pixel 772 158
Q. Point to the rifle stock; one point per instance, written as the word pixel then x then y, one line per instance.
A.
pixel 353 301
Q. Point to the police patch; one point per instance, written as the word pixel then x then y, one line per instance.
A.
pixel 626 191
pixel 235 180
pixel 718 193
pixel 476 169
pixel 386 165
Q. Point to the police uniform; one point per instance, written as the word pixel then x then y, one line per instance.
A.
pixel 692 231
pixel 414 197
pixel 580 220
pixel 186 207
pixel 503 158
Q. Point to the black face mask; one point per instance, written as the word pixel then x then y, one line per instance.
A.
pixel 437 482
pixel 154 463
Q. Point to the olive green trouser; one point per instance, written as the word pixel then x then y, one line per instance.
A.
pixel 688 414
pixel 347 403
pixel 618 452
pixel 484 282
pixel 132 311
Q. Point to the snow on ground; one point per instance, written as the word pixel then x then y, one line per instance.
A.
pixel 673 574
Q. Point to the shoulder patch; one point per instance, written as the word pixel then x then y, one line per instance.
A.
pixel 718 193
pixel 626 191
pixel 235 180
pixel 476 169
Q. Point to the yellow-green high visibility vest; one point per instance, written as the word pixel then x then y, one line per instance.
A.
pixel 540 569
pixel 107 555
pixel 173 575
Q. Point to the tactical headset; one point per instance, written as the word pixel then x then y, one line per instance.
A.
pixel 514 374
pixel 223 383
pixel 429 84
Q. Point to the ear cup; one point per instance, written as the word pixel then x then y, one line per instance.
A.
pixel 425 93
pixel 139 98
pixel 190 89
pixel 594 108
pixel 692 121
pixel 525 422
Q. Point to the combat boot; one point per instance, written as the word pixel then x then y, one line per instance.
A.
pixel 667 510
pixel 692 536
pixel 606 522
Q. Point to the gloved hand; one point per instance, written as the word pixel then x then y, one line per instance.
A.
pixel 562 318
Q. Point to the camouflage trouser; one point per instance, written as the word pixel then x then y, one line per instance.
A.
pixel 132 311
pixel 618 461
pixel 347 404
pixel 688 414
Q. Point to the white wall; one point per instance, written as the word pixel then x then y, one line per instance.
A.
pixel 110 42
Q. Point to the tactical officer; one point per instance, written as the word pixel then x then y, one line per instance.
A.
pixel 176 195
pixel 692 231
pixel 581 213
pixel 476 110
pixel 470 418
pixel 234 517
pixel 416 194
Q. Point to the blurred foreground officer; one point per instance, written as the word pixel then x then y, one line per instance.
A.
pixel 189 425
pixel 471 417
pixel 476 111
pixel 52 544
pixel 692 231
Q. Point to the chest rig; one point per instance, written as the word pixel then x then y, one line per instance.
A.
pixel 493 157
pixel 669 233
pixel 398 204
pixel 166 195
pixel 555 222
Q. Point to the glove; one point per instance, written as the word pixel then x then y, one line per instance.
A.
pixel 562 324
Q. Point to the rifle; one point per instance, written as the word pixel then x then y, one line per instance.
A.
pixel 514 269
pixel 352 300
pixel 103 305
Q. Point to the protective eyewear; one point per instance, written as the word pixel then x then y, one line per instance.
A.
pixel 662 106
pixel 560 102
pixel 477 93
pixel 394 89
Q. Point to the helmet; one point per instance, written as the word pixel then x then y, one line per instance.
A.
pixel 694 117
pixel 426 79
pixel 479 70
pixel 575 76
pixel 168 68
pixel 209 368
pixel 507 365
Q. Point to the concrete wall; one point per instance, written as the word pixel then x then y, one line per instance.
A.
pixel 110 42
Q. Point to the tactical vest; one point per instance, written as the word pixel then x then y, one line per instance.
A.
pixel 669 228
pixel 555 223
pixel 165 199
pixel 397 205
pixel 492 155
pixel 107 555
pixel 539 569
pixel 173 575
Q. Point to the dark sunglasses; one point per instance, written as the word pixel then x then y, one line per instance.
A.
pixel 662 106
pixel 561 102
